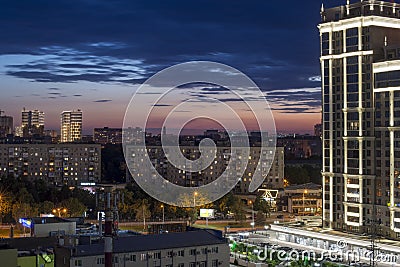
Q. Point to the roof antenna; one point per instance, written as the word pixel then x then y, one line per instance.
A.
pixel 322 7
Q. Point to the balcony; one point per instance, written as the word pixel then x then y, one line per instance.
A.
pixel 353 214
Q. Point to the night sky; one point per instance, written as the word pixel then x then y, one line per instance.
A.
pixel 92 54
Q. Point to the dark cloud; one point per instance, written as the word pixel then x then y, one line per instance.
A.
pixel 275 44
pixel 102 101
pixel 162 105
pixel 295 110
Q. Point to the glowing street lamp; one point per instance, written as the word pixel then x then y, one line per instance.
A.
pixel 194 198
pixel 59 211
pixel 252 215
pixel 304 207
pixel 163 214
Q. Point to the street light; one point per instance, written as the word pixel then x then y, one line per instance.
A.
pixel 252 215
pixel 304 207
pixel 194 198
pixel 59 211
pixel 163 214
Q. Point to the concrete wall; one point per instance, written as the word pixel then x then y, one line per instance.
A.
pixel 43 230
pixel 139 259
pixel 8 257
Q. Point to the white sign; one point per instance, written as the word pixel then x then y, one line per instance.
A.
pixel 207 213
pixel 102 215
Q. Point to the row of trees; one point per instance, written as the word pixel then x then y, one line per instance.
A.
pixel 137 204
pixel 23 198
pixel 303 174
pixel 20 198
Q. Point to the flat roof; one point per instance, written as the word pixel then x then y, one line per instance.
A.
pixel 154 242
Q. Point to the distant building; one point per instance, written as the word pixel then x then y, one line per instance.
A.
pixel 52 134
pixel 301 146
pixel 71 126
pixel 18 131
pixel 6 125
pixel 273 176
pixel 107 135
pixel 57 164
pixel 318 130
pixel 32 123
pixel 205 248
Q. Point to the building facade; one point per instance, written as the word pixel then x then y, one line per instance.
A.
pixel 32 122
pixel 301 146
pixel 360 64
pixel 71 126
pixel 107 135
pixel 58 164
pixel 274 176
pixel 187 249
pixel 6 125
pixel 304 199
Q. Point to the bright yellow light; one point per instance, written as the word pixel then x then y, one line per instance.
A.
pixel 65 210
pixel 162 206
pixel 305 191
pixel 195 193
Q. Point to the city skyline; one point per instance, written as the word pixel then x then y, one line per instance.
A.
pixel 78 68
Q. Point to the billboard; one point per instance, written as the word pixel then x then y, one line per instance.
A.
pixel 207 213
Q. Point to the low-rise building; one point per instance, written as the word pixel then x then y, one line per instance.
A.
pixel 304 199
pixel 204 248
pixel 49 226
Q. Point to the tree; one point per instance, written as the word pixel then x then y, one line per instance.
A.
pixel 46 207
pixel 142 210
pixel 260 204
pixel 260 219
pixel 5 206
pixel 74 207
pixel 224 205
pixel 24 196
pixel 23 210
pixel 238 210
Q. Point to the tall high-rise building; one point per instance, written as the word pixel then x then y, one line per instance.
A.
pixel 71 126
pixel 32 122
pixel 360 64
pixel 6 125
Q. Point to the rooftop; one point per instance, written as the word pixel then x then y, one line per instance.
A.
pixel 155 242
pixel 358 8
pixel 308 186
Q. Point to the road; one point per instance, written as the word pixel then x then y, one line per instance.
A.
pixel 255 239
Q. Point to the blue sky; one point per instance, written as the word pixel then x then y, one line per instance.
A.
pixel 92 54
